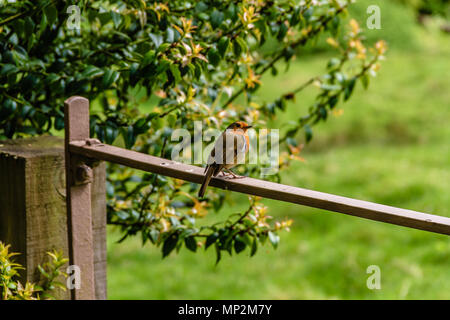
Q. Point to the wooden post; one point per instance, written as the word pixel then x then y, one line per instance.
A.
pixel 33 206
pixel 78 190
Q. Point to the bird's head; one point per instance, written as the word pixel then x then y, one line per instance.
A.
pixel 239 125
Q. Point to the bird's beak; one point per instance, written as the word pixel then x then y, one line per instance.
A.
pixel 248 127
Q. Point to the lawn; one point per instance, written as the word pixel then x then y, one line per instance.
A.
pixel 390 146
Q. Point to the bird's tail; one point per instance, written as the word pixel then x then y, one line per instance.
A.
pixel 208 176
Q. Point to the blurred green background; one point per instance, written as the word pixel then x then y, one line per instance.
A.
pixel 390 145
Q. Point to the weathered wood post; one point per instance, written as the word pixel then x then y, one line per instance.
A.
pixel 79 177
pixel 33 206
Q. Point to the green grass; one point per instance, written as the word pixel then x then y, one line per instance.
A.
pixel 390 146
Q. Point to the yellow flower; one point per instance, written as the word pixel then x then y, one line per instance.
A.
pixel 251 79
pixel 222 114
pixel 186 28
pixel 159 7
pixel 295 151
pixel 332 42
pixel 165 225
pixel 338 112
pixel 354 26
pixel 199 208
pixel 360 49
pixel 248 17
pixel 381 47
pixel 178 183
pixel 253 113
pixel 375 67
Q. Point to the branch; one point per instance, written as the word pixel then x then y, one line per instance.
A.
pixel 301 41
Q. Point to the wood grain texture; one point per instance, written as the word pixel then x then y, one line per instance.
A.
pixel 33 206
pixel 81 246
pixel 98 208
pixel 32 212
pixel 266 189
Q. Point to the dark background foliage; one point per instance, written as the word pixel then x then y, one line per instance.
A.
pixel 196 60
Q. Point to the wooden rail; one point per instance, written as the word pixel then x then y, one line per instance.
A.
pixel 88 150
pixel 266 189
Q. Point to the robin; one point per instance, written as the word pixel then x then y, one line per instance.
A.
pixel 229 150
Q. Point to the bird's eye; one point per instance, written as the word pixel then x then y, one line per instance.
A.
pixel 238 125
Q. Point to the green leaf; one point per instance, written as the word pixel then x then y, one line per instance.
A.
pixel 59 285
pixel 51 13
pixel 200 7
pixel 223 45
pixel 157 39
pixel 282 32
pixel 237 48
pixel 91 72
pixel 274 239
pixel 24 110
pixel 128 136
pixel 42 25
pixel 365 80
pixel 18 26
pixel 281 104
pixel 213 57
pixel 190 243
pixel 242 44
pixel 239 244
pixel 175 70
pixel 218 254
pixel 333 101
pixel 153 234
pixel 9 106
pixel 169 244
pixel 273 71
pixel 52 77
pixel 295 18
pixel 216 18
pixel 43 272
pixel 335 23
pixel 148 58
pixel 163 66
pixel 308 133
pixel 109 78
pixel 141 125
pixel 254 247
pixel 8 69
pixel 110 134
pixel 117 18
pixel 163 47
pixel 349 88
pixel 232 12
pixel 211 239
pixel 59 123
pixel 334 62
pixel 170 35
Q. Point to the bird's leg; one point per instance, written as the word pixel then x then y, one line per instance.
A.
pixel 223 173
pixel 234 176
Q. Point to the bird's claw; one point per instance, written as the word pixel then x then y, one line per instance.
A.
pixel 231 175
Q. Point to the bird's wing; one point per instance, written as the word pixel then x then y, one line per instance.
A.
pixel 235 145
pixel 229 147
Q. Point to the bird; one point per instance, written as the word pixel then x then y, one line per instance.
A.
pixel 229 150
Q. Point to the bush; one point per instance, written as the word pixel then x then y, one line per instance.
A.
pixel 193 59
pixel 12 289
